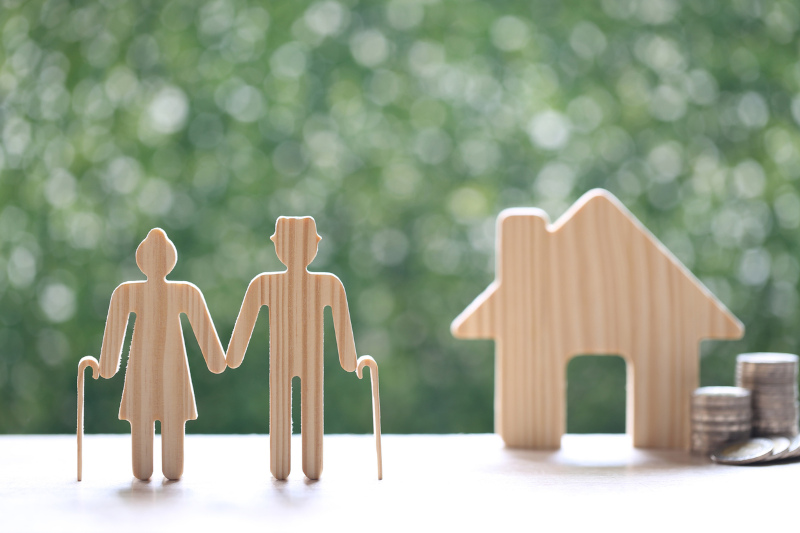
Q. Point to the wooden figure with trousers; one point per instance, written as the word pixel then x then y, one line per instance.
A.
pixel 296 299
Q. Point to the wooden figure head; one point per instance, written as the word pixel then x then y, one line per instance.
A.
pixel 156 255
pixel 296 241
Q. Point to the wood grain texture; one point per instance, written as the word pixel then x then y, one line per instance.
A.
pixel 296 299
pixel 157 381
pixel 367 361
pixel 595 282
pixel 92 363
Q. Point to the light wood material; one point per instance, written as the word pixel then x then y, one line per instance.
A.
pixel 95 366
pixel 368 361
pixel 595 282
pixel 157 381
pixel 296 299
pixel 437 483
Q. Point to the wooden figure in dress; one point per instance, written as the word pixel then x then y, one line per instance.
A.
pixel 595 282
pixel 296 299
pixel 157 381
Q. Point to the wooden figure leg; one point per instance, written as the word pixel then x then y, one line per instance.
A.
pixel 311 424
pixel 280 427
pixel 172 435
pixel 142 434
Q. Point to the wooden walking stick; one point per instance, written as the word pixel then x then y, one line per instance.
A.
pixel 363 361
pixel 91 362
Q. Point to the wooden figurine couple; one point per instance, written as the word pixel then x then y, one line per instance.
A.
pixel 157 381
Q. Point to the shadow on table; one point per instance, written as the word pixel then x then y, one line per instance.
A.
pixel 610 453
pixel 151 490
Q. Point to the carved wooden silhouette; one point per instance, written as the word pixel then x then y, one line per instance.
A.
pixel 157 381
pixel 296 299
pixel 595 282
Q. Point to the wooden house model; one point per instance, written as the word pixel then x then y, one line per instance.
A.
pixel 595 282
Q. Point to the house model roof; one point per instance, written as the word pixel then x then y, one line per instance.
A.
pixel 598 227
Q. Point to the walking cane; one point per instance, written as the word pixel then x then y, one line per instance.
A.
pixel 92 362
pixel 363 361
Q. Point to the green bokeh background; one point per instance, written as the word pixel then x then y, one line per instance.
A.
pixel 403 127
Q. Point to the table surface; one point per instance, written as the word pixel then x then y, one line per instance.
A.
pixel 467 481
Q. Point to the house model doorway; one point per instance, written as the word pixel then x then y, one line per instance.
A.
pixel 597 394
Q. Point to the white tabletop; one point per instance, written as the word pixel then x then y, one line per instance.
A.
pixel 468 481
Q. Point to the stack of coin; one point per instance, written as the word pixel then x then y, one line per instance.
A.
pixel 771 378
pixel 720 415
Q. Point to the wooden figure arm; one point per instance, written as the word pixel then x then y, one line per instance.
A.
pixel 196 310
pixel 342 326
pixel 114 335
pixel 257 295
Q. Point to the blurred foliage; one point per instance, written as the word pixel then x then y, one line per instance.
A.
pixel 403 127
pixel 596 400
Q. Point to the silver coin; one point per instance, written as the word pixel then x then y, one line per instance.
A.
pixel 780 445
pixel 766 376
pixel 724 392
pixel 721 433
pixel 705 438
pixel 721 419
pixel 775 413
pixel 774 388
pixel 774 420
pixel 765 369
pixel 785 393
pixel 715 444
pixel 721 428
pixel 794 448
pixel 758 382
pixel 774 423
pixel 706 402
pixel 768 358
pixel 748 381
pixel 774 431
pixel 745 452
pixel 774 399
pixel 725 407
pixel 708 446
pixel 770 402
pixel 774 405
pixel 788 408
